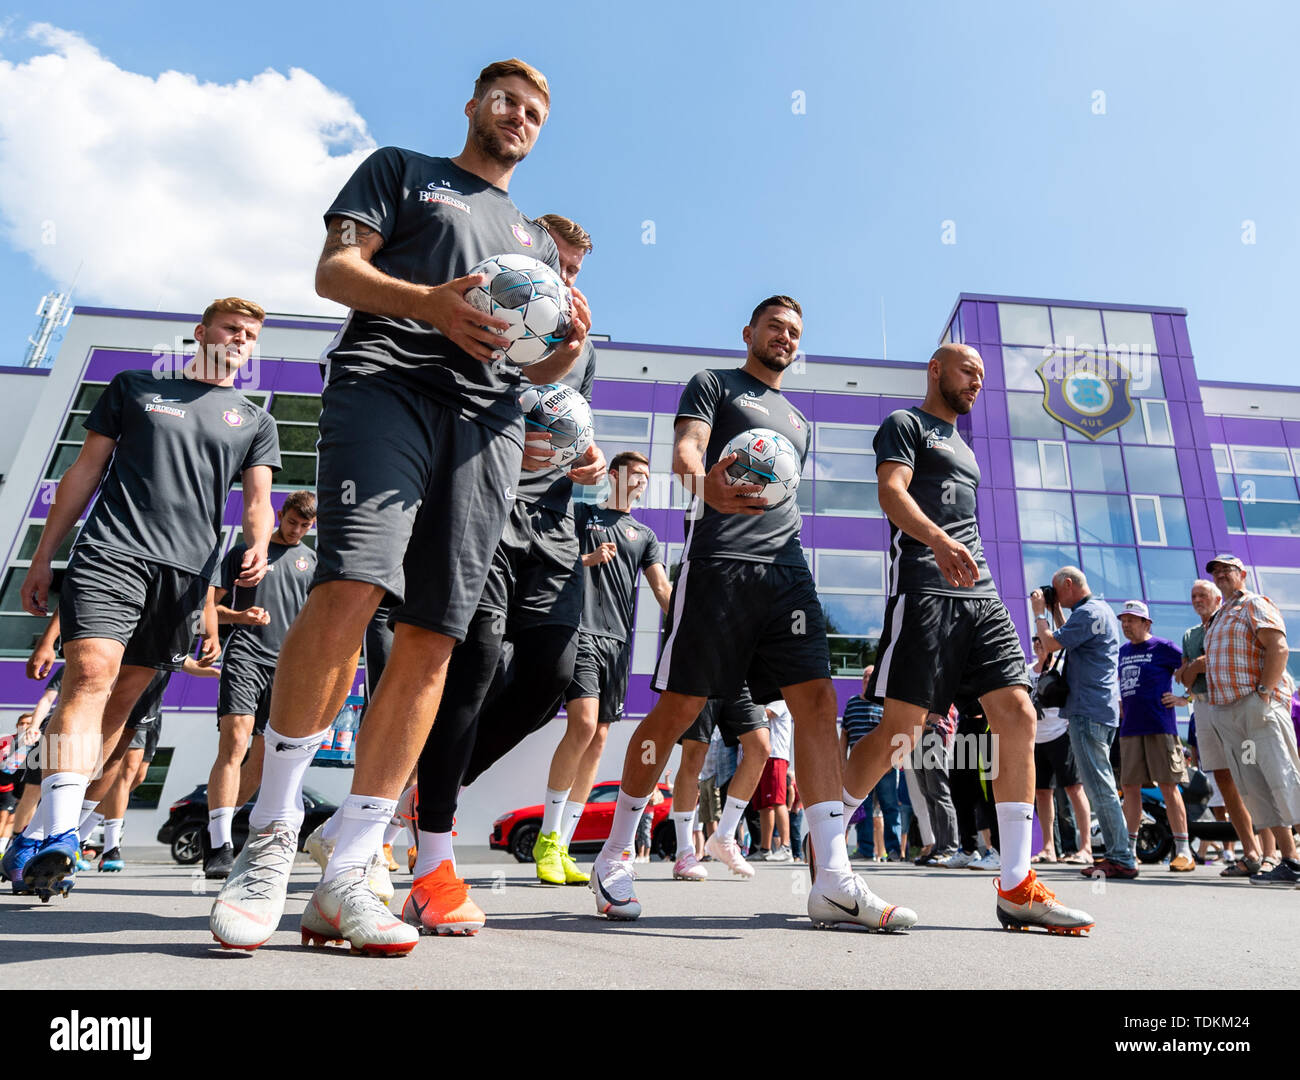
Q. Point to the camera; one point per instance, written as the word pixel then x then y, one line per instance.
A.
pixel 1049 595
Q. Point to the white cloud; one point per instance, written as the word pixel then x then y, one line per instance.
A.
pixel 167 191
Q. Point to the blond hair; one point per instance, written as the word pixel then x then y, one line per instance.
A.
pixel 504 68
pixel 235 305
pixel 567 230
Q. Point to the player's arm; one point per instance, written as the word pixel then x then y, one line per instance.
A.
pixel 211 641
pixel 690 444
pixel 657 578
pixel 42 708
pixel 561 362
pixel 590 467
pixel 1043 628
pixel 1273 662
pixel 259 523
pixel 71 497
pixel 345 273
pixel 955 563
pixel 193 667
pixel 41 662
pixel 251 616
pixel 606 552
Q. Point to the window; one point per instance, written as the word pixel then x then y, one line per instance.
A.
pixel 1260 459
pixel 73 435
pixel 1083 325
pixel 1103 519
pixel 1028 418
pixel 1132 328
pixel 1256 487
pixel 1221 462
pixel 1024 324
pixel 1167 575
pixel 1174 513
pixel 1155 416
pixel 847 498
pixel 1027 463
pixel 297 420
pixel 1281 584
pixel 851 585
pixel 18 630
pixel 1055 467
pixel 1153 469
pixel 1020 368
pixel 1045 515
pixel 1148 519
pixel 1170 620
pixel 626 426
pixel 1270 518
pixel 1096 468
pixel 1112 573
pixel 851 437
pixel 1041 561
pixel 148 794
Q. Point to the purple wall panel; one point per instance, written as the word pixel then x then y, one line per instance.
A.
pixel 1165 343
pixel 862 534
pixel 1291 431
pixel 297 378
pixel 1198 518
pixel 1253 432
pixel 844 409
pixel 626 396
pixel 1002 471
pixel 1213 424
pixel 1011 583
pixel 1189 471
pixel 993 379
pixel 1006 523
pixel 991 557
pixel 665 397
pixel 1181 340
pixel 996 416
pixel 1181 421
pixel 1171 373
pixel 105 363
pixel 802 400
pixel 1271 550
pixel 988 322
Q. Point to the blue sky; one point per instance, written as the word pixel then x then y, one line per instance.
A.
pixel 681 114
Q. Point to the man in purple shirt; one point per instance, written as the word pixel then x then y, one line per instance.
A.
pixel 1149 748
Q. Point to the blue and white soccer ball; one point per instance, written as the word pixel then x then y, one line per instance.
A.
pixel 531 297
pixel 764 457
pixel 563 412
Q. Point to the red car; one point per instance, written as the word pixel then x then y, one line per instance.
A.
pixel 516 832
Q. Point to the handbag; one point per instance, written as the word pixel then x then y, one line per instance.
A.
pixel 1052 687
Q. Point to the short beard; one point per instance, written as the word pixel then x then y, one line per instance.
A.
pixel 954 400
pixel 493 145
pixel 773 362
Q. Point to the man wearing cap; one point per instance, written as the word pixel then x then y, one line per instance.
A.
pixel 1206 599
pixel 1150 751
pixel 1246 654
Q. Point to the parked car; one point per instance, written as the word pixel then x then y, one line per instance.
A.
pixel 516 831
pixel 184 829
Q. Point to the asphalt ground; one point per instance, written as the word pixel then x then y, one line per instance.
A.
pixel 147 928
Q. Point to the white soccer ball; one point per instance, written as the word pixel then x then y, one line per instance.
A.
pixel 562 411
pixel 764 457
pixel 531 297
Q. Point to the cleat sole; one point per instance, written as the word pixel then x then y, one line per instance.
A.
pixel 237 948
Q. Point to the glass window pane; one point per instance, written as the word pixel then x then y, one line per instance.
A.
pixel 845 496
pixel 1167 574
pixel 1081 324
pixel 1227 485
pixel 299 470
pixel 300 438
pixel 1055 472
pixel 88 395
pixel 1174 511
pixel 1024 324
pixel 1144 367
pixel 844 466
pixel 1103 519
pixel 1131 328
pixel 1020 368
pixel 1170 620
pixel 621 426
pixel 33 537
pixel 1043 560
pixel 1096 468
pixel 1079 436
pixel 851 570
pixel 1029 420
pixel 74 430
pixel 804 497
pixel 1153 469
pixel 1221 463
pixel 305 407
pixel 1134 429
pixel 662 428
pixel 1146 514
pixel 11 593
pixel 1245 459
pixel 1255 486
pixel 1159 430
pixel 1282 519
pixel 1279 584
pixel 848 613
pixel 844 437
pixel 1232 512
pixel 851 655
pixel 19 634
pixel 1112 573
pixel 1024 456
pixel 63 457
pixel 1045 515
pixel 146 796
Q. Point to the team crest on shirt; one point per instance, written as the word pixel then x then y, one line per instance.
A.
pixel 522 235
pixel 233 418
pixel 794 421
pixel 630 533
pixel 301 562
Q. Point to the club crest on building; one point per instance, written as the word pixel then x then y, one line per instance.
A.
pixel 1086 391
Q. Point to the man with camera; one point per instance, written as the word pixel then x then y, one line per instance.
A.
pixel 1091 637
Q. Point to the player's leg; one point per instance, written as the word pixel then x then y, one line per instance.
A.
pixel 580 729
pixel 113 805
pixel 233 731
pixel 744 722
pixel 686 794
pixel 250 769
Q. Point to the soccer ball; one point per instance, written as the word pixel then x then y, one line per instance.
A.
pixel 764 457
pixel 563 412
pixel 531 297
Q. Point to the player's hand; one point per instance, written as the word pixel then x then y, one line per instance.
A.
pixel 728 498
pixel 1038 603
pixel 36 588
pixel 958 566
pixel 537 451
pixel 572 345
pixel 460 321
pixel 252 567
pixel 590 467
pixel 210 651
pixel 40 662
pixel 255 616
pixel 603 554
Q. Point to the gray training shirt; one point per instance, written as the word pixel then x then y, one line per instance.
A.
pixel 610 591
pixel 437 221
pixel 181 446
pixel 282 593
pixel 730 401
pixel 945 477
pixel 552 488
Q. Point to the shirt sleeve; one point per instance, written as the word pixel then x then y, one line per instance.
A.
pixel 106 417
pixel 373 193
pixel 652 553
pixel 1264 615
pixel 1077 629
pixel 896 439
pixel 265 447
pixel 233 559
pixel 589 375
pixel 699 401
pixel 1172 658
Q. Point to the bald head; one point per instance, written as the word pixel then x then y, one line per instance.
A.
pixel 956 374
pixel 952 352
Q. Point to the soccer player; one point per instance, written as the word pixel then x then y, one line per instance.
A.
pixel 744 607
pixel 532 600
pixel 261 616
pixel 168 451
pixel 615 549
pixel 421 441
pixel 944 609
pixel 741 722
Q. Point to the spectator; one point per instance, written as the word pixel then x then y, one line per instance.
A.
pixel 1245 666
pixel 1150 749
pixel 1091 639
pixel 972 793
pixel 932 761
pixel 773 791
pixel 710 805
pixel 862 715
pixel 1053 765
pixel 911 795
pixel 795 805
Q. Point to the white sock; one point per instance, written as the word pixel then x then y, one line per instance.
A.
pixel 1133 844
pixel 112 833
pixel 435 849
pixel 682 823
pixel 330 830
pixel 61 797
pixel 392 832
pixel 219 821
pixel 89 824
pixel 87 809
pixel 696 824
pixel 851 803
pixel 1015 830
pixel 284 767
pixel 622 833
pixel 731 815
pixel 827 833
pixel 553 809
pixel 364 818
pixel 1181 847
pixel 569 823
